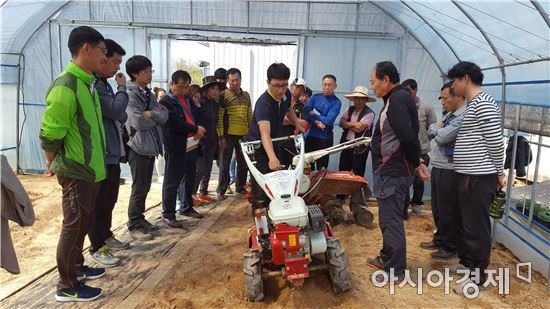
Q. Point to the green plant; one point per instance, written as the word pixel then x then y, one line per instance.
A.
pixel 193 69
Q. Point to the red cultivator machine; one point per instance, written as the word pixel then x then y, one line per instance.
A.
pixel 291 239
pixel 331 189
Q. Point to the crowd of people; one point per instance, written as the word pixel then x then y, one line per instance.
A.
pixel 89 128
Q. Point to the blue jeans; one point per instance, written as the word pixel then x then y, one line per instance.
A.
pixel 233 168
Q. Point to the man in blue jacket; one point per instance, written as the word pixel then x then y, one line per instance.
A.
pixel 323 108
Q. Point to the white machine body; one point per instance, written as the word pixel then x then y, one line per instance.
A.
pixel 282 187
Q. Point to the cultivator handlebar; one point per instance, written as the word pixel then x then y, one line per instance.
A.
pixel 315 155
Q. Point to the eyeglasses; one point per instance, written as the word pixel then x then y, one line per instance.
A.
pixel 147 71
pixel 280 86
pixel 103 48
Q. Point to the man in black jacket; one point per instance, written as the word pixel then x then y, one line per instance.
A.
pixel 396 154
pixel 176 131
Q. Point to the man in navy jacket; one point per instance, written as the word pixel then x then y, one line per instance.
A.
pixel 179 127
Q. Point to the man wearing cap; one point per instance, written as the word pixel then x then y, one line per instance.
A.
pixel 356 122
pixel 287 148
pixel 221 77
pixel 323 108
pixel 207 112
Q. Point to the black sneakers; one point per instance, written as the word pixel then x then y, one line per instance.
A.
pixel 89 273
pixel 81 292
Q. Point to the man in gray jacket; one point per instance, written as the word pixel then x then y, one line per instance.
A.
pixel 145 117
pixel 426 117
pixel 113 107
pixel 445 206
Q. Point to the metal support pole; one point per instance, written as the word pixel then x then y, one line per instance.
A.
pixel 512 166
pixel 18 139
pixel 544 15
pixel 516 63
pixel 535 180
pixel 168 50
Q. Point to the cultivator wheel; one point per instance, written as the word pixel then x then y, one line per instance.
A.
pixel 253 275
pixel 363 217
pixel 338 266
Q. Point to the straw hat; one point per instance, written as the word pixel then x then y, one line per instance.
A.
pixel 360 92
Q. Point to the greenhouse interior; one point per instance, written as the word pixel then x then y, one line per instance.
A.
pixel 508 40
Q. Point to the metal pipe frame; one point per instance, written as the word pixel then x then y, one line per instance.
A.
pixel 431 27
pixel 512 166
pixel 400 22
pixel 540 9
pixel 495 51
pixel 516 63
pixel 535 180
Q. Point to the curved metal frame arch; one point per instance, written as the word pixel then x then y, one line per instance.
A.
pixel 19 82
pixel 431 27
pixel 543 13
pixel 400 22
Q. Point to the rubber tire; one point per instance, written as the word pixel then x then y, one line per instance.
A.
pixel 338 266
pixel 364 218
pixel 253 275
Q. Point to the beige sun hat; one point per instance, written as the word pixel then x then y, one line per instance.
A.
pixel 360 92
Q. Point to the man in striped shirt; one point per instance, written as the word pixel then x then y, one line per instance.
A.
pixel 478 162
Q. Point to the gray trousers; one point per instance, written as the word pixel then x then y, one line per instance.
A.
pixel 390 192
pixel 204 167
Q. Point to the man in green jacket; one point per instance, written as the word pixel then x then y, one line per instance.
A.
pixel 73 139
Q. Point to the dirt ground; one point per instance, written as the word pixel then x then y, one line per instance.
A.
pixel 36 245
pixel 211 274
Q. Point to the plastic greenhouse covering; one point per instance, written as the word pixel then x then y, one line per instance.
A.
pixel 510 40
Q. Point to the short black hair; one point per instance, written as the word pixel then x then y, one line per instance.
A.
pixel 113 47
pixel 330 76
pixel 309 92
pixel 278 70
pixel 464 68
pixel 411 83
pixel 82 35
pixel 180 74
pixel 447 85
pixel 234 71
pixel 387 68
pixel 136 64
pixel 220 73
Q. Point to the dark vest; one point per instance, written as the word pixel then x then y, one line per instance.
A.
pixel 368 132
